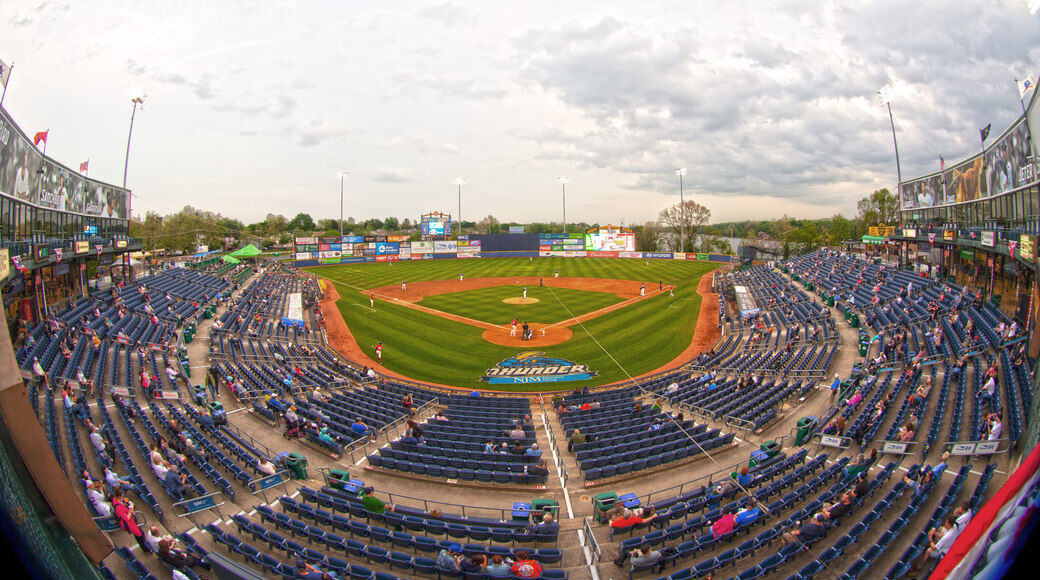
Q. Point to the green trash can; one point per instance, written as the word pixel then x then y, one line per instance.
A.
pixel 794 277
pixel 854 319
pixel 338 478
pixel 830 301
pixel 770 448
pixel 602 503
pixel 207 314
pixel 296 463
pixel 863 347
pixel 824 296
pixel 540 506
pixel 809 286
pixel 187 337
pixel 805 424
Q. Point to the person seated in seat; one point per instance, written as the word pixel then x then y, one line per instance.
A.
pixel 499 568
pixel 373 504
pixel 547 525
pixel 836 511
pixel 450 559
pixel 176 484
pixel 539 470
pixel 808 533
pixel 308 572
pixel 724 525
pixel 359 427
pixel 644 557
pixel 525 567
pixel 746 514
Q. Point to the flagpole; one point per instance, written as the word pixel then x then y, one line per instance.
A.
pixel 1029 132
pixel 10 69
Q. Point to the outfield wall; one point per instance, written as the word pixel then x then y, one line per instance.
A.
pixel 400 257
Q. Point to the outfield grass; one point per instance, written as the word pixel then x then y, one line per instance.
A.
pixel 486 304
pixel 640 337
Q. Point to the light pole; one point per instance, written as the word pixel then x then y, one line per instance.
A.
pixel 342 177
pixel 563 183
pixel 459 181
pixel 682 211
pixel 884 96
pixel 137 98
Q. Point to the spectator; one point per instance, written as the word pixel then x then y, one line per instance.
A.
pixel 475 565
pixel 450 559
pixel 643 557
pixel 97 499
pixel 547 525
pixel 744 478
pixel 724 525
pixel 533 451
pixel 264 465
pixel 373 504
pixel 808 533
pixel 746 514
pixel 152 538
pixel 577 438
pixel 517 434
pixel 525 567
pixel 839 509
pixel 539 470
pixel 498 568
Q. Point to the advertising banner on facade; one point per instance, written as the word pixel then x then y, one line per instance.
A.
pixel 445 246
pixel 1007 162
pixel 27 176
pixel 1026 247
pixel 987 239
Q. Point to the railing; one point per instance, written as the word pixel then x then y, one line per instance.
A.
pixel 268 453
pixel 554 448
pixel 589 540
pixel 503 514
pixel 678 490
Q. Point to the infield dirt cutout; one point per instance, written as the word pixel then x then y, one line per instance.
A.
pixel 339 337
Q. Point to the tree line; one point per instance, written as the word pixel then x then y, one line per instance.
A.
pixel 678 227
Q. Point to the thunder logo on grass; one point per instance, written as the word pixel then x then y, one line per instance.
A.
pixel 535 367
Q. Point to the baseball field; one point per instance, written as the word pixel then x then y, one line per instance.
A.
pixel 592 321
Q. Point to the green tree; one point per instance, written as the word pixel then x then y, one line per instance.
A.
pixel 647 237
pixel 687 219
pixel 301 223
pixel 391 224
pixel 880 207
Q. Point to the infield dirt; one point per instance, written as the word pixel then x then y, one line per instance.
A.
pixel 706 332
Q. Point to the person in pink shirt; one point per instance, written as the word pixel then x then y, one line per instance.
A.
pixel 724 525
pixel 855 399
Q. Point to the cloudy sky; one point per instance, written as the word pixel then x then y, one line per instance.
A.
pixel 253 107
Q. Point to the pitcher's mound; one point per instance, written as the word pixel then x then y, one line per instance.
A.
pixel 521 300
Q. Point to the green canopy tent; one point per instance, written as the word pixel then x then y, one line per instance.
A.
pixel 249 251
pixel 229 259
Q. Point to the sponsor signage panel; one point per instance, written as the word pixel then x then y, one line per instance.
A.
pixel 987 239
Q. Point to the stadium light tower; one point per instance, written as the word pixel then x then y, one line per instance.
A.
pixel 343 175
pixel 563 182
pixel 681 172
pixel 459 181
pixel 884 97
pixel 137 96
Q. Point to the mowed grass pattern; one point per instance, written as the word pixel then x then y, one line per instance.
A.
pixel 486 304
pixel 640 338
